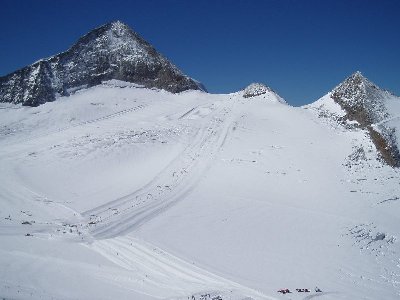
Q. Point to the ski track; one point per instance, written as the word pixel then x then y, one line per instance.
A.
pixel 122 215
pixel 318 295
pixel 157 272
pixel 83 123
pixel 164 272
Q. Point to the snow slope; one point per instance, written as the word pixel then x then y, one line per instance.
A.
pixel 133 193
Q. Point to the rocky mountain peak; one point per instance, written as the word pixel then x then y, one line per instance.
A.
pixel 259 89
pixel 111 51
pixel 357 75
pixel 255 89
pixel 365 102
pixel 118 27
pixel 112 30
pixel 354 86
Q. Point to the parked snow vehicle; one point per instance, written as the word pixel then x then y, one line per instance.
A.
pixel 284 291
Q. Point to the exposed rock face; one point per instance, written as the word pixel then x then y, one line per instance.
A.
pixel 259 89
pixel 365 103
pixel 255 89
pixel 112 51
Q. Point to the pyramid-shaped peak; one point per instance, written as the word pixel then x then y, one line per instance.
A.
pixel 111 51
pixel 361 99
pixel 365 103
pixel 112 31
pixel 357 74
pixel 118 24
pixel 355 86
pixel 358 78
pixel 117 27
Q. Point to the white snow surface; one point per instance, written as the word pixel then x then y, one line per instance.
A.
pixel 132 193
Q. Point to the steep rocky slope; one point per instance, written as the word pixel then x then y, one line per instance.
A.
pixel 112 51
pixel 366 106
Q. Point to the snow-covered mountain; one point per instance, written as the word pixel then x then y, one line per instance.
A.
pixel 121 191
pixel 112 51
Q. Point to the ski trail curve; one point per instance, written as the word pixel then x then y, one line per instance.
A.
pixel 122 215
pixel 163 275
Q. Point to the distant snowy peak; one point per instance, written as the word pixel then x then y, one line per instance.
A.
pixel 372 108
pixel 111 51
pixel 258 89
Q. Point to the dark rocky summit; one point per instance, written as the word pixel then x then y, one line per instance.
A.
pixel 365 103
pixel 255 89
pixel 260 89
pixel 112 51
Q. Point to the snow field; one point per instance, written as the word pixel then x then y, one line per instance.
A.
pixel 132 193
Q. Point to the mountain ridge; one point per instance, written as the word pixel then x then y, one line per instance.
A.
pixel 114 51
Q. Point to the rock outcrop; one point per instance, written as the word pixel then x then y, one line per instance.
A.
pixel 366 103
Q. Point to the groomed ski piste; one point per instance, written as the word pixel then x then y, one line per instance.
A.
pixel 122 192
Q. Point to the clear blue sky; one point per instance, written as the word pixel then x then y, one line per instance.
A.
pixel 301 49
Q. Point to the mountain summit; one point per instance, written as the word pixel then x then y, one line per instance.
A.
pixel 367 104
pixel 259 89
pixel 112 51
pixel 256 89
pixel 361 99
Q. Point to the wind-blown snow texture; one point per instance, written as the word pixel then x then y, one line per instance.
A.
pixel 112 51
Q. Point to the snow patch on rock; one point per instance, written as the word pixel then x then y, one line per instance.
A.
pixel 259 89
